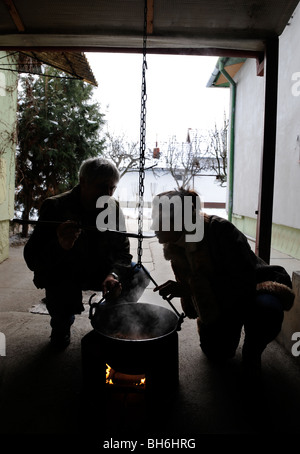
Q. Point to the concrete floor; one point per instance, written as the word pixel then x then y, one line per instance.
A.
pixel 41 390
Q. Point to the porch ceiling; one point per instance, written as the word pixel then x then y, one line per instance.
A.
pixel 177 26
pixel 73 63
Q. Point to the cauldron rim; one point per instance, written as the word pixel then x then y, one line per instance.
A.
pixel 137 304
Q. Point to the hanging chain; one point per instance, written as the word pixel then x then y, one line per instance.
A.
pixel 142 144
pixel 142 167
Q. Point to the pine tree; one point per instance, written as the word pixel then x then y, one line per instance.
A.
pixel 58 127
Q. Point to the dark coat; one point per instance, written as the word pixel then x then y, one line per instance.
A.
pixel 222 272
pixel 94 254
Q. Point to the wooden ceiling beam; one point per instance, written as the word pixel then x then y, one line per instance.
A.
pixel 205 51
pixel 150 16
pixel 15 15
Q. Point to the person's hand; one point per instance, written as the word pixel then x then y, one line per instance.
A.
pixel 67 234
pixel 171 289
pixel 112 286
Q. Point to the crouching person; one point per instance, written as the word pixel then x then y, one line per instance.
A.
pixel 220 281
pixel 68 254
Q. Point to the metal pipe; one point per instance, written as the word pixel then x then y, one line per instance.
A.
pixel 232 136
pixel 86 227
pixel 266 190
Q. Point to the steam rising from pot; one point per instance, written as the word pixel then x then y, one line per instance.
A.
pixel 134 321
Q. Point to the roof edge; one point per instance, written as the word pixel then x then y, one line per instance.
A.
pixel 226 61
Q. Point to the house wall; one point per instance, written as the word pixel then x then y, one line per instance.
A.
pixel 8 107
pixel 287 172
pixel 249 140
pixel 207 187
pixel 127 193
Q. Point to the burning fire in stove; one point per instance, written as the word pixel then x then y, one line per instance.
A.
pixel 115 378
pixel 108 379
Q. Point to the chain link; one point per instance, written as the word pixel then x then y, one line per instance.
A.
pixel 142 144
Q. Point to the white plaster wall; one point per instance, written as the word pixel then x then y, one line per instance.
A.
pixel 249 134
pixel 207 187
pixel 287 169
pixel 248 139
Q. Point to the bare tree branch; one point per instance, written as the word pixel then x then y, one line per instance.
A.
pixel 124 154
pixel 200 153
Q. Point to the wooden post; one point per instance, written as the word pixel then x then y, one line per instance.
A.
pixel 265 202
pixel 150 16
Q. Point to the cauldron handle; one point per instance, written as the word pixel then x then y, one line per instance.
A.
pixel 180 321
pixel 94 306
pixel 180 316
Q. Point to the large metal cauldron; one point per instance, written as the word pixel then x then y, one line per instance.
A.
pixel 135 336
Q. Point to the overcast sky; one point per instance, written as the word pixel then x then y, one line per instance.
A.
pixel 177 97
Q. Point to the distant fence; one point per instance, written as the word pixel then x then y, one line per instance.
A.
pixel 221 205
pixel 134 204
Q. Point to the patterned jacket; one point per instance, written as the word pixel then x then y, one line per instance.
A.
pixel 222 273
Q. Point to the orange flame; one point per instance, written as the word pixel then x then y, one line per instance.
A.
pixel 108 379
pixel 110 374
